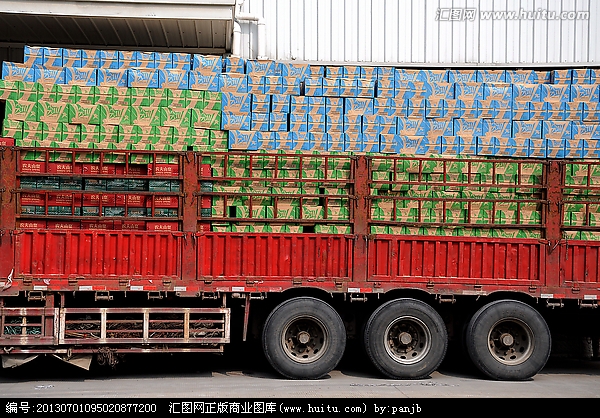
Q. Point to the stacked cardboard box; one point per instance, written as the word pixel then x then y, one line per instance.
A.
pixel 269 192
pixel 130 100
pixel 302 107
pixel 111 99
pixel 101 191
pixel 457 197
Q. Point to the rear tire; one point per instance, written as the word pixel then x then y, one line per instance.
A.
pixel 304 338
pixel 508 340
pixel 406 339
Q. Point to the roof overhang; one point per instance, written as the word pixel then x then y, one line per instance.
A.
pixel 132 9
pixel 202 25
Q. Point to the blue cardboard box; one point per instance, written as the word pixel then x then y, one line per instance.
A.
pixel 278 122
pixel 148 78
pixel 262 67
pixel 491 76
pixel 584 92
pixel 348 87
pixel 203 82
pixel 298 122
pixel 556 92
pixel 412 127
pixel 497 128
pixel 12 71
pixel 557 129
pixel 174 79
pixel 528 92
pixel 469 91
pixel 236 83
pixel 259 122
pixel 242 140
pixel 358 106
pixel 280 103
pixel 260 103
pixel 290 85
pixel 527 129
pixel 204 64
pixel 585 130
pixel 313 86
pixel 273 84
pixel 468 127
pixel 299 104
pixel 462 76
pixel 236 102
pixel 298 71
pixel 81 76
pixel 267 141
pixel 235 121
pixel 365 88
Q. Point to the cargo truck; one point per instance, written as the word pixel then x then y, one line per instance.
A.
pixel 162 220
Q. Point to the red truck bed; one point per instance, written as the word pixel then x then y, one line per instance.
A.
pixel 188 260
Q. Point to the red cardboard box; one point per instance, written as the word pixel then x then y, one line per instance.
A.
pixel 162 226
pixel 64 199
pixel 64 168
pixel 7 142
pixel 33 224
pixel 64 225
pixel 35 167
pixel 98 225
pixel 130 225
pixel 163 201
pixel 95 169
pixel 33 199
pixel 163 170
pixel 136 200
pixel 204 226
pixel 93 199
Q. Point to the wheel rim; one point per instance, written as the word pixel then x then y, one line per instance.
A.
pixel 407 340
pixel 510 341
pixel 305 339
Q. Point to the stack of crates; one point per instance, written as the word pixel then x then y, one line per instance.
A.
pixel 278 193
pixel 581 210
pixel 134 100
pixel 69 98
pixel 171 101
pixel 456 198
pixel 506 113
pixel 97 196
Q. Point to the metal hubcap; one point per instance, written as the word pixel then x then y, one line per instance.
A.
pixel 407 340
pixel 511 341
pixel 303 337
pixel 507 340
pixel 304 340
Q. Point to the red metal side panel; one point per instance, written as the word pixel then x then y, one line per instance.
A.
pixel 274 257
pixel 581 264
pixel 97 254
pixel 8 183
pixel 456 260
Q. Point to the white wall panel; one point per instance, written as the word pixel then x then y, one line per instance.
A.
pixel 426 31
pixel 540 31
pixel 593 35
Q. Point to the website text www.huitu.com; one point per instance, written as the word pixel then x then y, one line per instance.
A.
pixel 462 14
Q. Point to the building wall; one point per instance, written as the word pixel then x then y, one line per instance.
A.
pixel 427 32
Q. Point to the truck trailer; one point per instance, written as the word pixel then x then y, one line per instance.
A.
pixel 167 202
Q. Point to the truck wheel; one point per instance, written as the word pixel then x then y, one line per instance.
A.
pixel 508 340
pixel 304 338
pixel 406 339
